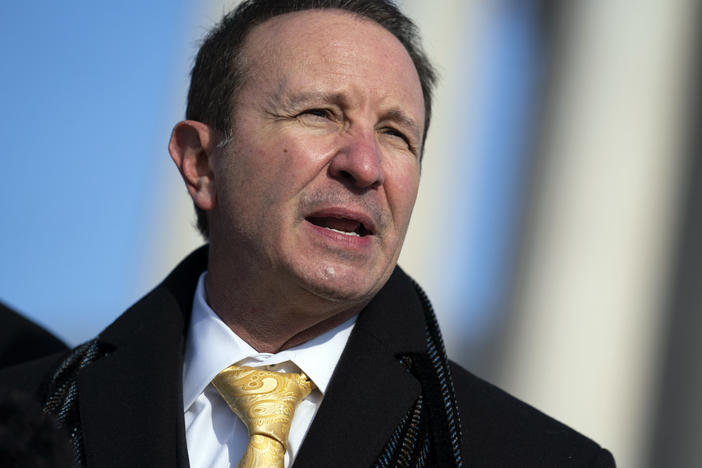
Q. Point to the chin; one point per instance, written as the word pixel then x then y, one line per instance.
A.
pixel 336 285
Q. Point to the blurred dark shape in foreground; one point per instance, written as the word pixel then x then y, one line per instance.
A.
pixel 29 437
pixel 22 340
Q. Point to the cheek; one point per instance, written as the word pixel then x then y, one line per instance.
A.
pixel 401 186
pixel 277 172
pixel 258 169
pixel 296 161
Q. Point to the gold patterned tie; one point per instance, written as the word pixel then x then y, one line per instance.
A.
pixel 265 402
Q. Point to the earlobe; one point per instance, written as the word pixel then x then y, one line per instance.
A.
pixel 191 146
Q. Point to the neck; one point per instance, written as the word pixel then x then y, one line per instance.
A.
pixel 272 319
pixel 266 339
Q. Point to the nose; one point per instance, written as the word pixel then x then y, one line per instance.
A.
pixel 357 163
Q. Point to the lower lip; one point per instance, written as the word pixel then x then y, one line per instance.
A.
pixel 342 240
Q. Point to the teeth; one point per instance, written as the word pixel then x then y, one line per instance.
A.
pixel 343 232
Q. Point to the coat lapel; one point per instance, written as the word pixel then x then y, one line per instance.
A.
pixel 131 402
pixel 370 390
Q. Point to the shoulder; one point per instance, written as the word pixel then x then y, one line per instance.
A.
pixel 501 430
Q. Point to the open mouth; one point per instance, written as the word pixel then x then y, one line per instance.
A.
pixel 346 226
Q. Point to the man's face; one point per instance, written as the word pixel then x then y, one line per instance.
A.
pixel 316 187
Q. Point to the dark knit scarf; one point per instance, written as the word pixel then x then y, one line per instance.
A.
pixel 429 435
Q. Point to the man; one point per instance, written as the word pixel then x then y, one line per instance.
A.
pixel 302 152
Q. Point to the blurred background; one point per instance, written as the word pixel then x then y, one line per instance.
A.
pixel 557 229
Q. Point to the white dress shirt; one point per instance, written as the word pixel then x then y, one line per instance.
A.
pixel 215 435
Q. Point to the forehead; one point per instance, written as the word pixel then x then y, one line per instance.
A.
pixel 332 48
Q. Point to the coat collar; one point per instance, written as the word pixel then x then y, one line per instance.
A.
pixel 371 390
pixel 131 400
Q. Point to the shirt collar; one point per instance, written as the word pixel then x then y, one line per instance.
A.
pixel 211 346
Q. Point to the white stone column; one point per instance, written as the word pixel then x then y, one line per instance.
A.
pixel 584 340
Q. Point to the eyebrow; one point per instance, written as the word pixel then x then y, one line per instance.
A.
pixel 401 117
pixel 306 97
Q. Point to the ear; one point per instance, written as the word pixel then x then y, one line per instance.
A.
pixel 191 146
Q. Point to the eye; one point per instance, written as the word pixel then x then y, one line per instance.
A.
pixel 400 139
pixel 321 113
pixel 393 132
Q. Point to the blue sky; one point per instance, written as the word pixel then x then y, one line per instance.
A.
pixel 86 95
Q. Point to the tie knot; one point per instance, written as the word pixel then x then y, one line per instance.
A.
pixel 264 401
